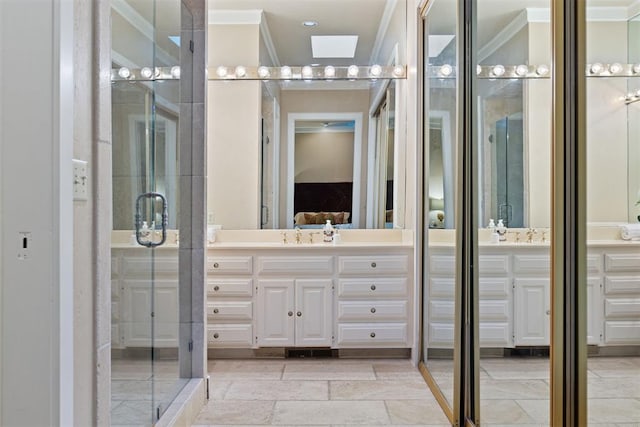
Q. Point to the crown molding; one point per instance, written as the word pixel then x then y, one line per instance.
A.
pixel 385 21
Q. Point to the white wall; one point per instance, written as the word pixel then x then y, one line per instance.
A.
pixel 324 157
pixel 36 143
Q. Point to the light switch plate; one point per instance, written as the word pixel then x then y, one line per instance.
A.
pixel 80 180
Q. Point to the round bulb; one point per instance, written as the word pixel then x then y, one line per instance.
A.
pixel 124 72
pixel 498 70
pixel 241 71
pixel 146 72
pixel 221 71
pixel 398 71
pixel 522 70
pixel 285 72
pixel 542 70
pixel 175 71
pixel 329 71
pixel 157 72
pixel 636 68
pixel 597 68
pixel 637 94
pixel 376 70
pixel 446 70
pixel 615 68
pixel 307 72
pixel 478 69
pixel 353 71
pixel 263 72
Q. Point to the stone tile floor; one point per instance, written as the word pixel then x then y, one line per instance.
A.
pixel 340 392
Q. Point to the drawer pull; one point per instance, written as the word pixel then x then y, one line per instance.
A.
pixel 290 313
pixel 372 334
pixel 373 287
pixel 216 288
pixel 299 314
pixel 373 309
pixel 216 335
pixel 373 265
pixel 216 265
pixel 215 311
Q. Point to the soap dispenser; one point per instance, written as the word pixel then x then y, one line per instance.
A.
pixel 501 229
pixel 328 232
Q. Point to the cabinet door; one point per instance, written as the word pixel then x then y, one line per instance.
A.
pixel 313 312
pixel 276 319
pixel 532 311
pixel 594 310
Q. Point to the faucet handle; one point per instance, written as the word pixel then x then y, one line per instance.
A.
pixel 284 237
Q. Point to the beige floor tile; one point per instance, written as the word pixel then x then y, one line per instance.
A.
pixel 514 389
pixel 306 413
pixel 516 368
pixel 614 411
pixel 331 371
pixel 536 409
pixel 132 413
pixel 278 390
pixel 611 387
pixel 236 412
pixel 217 389
pixel 396 371
pixel 381 390
pixel 426 412
pixel 504 412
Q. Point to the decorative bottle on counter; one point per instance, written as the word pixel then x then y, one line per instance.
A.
pixel 328 232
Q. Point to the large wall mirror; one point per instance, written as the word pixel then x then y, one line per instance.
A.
pixel 293 152
pixel 515 122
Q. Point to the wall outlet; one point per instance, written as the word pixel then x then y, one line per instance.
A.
pixel 80 180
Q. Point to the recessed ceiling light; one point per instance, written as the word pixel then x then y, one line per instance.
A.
pixel 310 23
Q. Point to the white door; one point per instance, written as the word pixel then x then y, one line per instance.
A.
pixel 313 312
pixel 275 318
pixel 140 309
pixel 531 315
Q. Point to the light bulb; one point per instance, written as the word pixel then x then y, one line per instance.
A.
pixel 636 68
pixel 285 71
pixel 353 71
pixel 307 72
pixel 222 71
pixel 478 69
pixel 157 72
pixel 596 68
pixel 637 94
pixel 615 68
pixel 522 70
pixel 263 72
pixel 376 70
pixel 446 70
pixel 124 72
pixel 329 71
pixel 241 71
pixel 146 72
pixel 542 70
pixel 498 70
pixel 398 71
pixel 175 71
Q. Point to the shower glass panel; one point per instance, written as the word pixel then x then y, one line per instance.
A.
pixel 514 140
pixel 150 362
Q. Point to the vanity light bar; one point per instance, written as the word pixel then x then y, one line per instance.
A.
pixel 497 71
pixel 632 97
pixel 145 73
pixel 615 69
pixel 307 72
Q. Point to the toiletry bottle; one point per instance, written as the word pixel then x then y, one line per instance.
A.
pixel 501 230
pixel 492 225
pixel 336 236
pixel 328 232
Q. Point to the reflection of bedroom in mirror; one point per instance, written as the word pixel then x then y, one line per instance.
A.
pixel 440 213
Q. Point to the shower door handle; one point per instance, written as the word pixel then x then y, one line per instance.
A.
pixel 138 220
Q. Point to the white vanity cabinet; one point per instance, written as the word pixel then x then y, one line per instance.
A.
pixel 622 296
pixel 373 301
pixel 230 301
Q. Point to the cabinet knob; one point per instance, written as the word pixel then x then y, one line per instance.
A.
pixel 373 309
pixel 299 314
pixel 216 335
pixel 216 288
pixel 373 287
pixel 216 265
pixel 215 311
pixel 373 265
pixel 372 334
pixel 290 313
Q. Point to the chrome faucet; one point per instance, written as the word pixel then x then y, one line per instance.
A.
pixel 284 237
pixel 298 235
pixel 530 233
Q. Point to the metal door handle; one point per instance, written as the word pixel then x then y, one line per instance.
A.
pixel 138 218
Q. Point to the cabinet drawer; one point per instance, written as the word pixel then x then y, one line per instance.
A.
pixel 622 262
pixel 374 264
pixel 622 332
pixel 442 264
pixel 372 334
pixel 493 264
pixel 494 287
pixel 622 285
pixel 441 335
pixel 237 335
pixel 373 288
pixel 442 287
pixel 622 308
pixel 142 265
pixel 494 310
pixel 441 310
pixel 240 310
pixel 372 311
pixel 229 287
pixel 495 334
pixel 297 265
pixel 230 265
pixel 532 264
